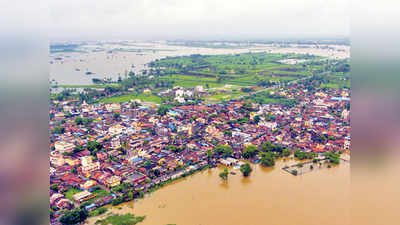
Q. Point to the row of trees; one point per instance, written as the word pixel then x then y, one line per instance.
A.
pixel 245 169
pixel 268 152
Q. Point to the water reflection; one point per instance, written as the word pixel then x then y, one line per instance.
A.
pixel 224 184
pixel 245 180
pixel 266 169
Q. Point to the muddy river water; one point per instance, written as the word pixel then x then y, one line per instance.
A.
pixel 269 196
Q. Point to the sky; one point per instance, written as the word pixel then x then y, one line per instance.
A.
pixel 198 19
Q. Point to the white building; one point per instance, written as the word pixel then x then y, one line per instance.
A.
pixel 62 146
pixel 88 165
pixel 116 129
pixel 199 88
pixel 113 107
pixel 228 161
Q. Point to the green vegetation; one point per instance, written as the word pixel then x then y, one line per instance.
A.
pixel 223 150
pixel 247 69
pixel 265 97
pixel 116 201
pixel 250 151
pixel 269 147
pixel 99 192
pixel 265 70
pixel 54 187
pixel 267 159
pixel 246 169
pixel 162 110
pixel 116 116
pixel 333 157
pixel 225 95
pixel 58 130
pixel 70 193
pixel 286 152
pixel 98 211
pixel 115 219
pixel 75 216
pixel 94 147
pixel 299 154
pixel 191 81
pixel 315 160
pixel 224 174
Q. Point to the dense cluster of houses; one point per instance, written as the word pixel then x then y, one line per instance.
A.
pixel 130 143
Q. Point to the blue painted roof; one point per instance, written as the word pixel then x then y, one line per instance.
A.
pixel 90 206
pixel 137 159
pixel 340 99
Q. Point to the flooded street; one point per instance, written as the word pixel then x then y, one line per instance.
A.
pixel 268 196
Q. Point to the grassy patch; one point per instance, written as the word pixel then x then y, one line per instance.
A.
pixel 100 193
pixel 115 219
pixel 230 94
pixel 337 84
pixel 265 97
pixel 98 211
pixel 71 192
pixel 192 81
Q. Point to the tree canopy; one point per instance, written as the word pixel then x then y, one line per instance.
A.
pixel 286 152
pixel 162 110
pixel 224 174
pixel 333 157
pixel 246 169
pixel 249 151
pixel 75 216
pixel 299 154
pixel 267 159
pixel 223 150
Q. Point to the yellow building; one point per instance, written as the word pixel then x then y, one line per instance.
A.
pixel 113 181
pixel 72 162
pixel 88 184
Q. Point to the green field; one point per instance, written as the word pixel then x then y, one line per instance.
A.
pixel 115 219
pixel 70 193
pixel 191 81
pixel 337 84
pixel 336 80
pixel 236 69
pixel 265 97
pixel 227 94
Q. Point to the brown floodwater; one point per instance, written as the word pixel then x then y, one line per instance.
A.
pixel 268 196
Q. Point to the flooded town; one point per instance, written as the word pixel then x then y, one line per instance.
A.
pixel 183 139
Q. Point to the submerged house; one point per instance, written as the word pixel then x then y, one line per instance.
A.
pixel 229 161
